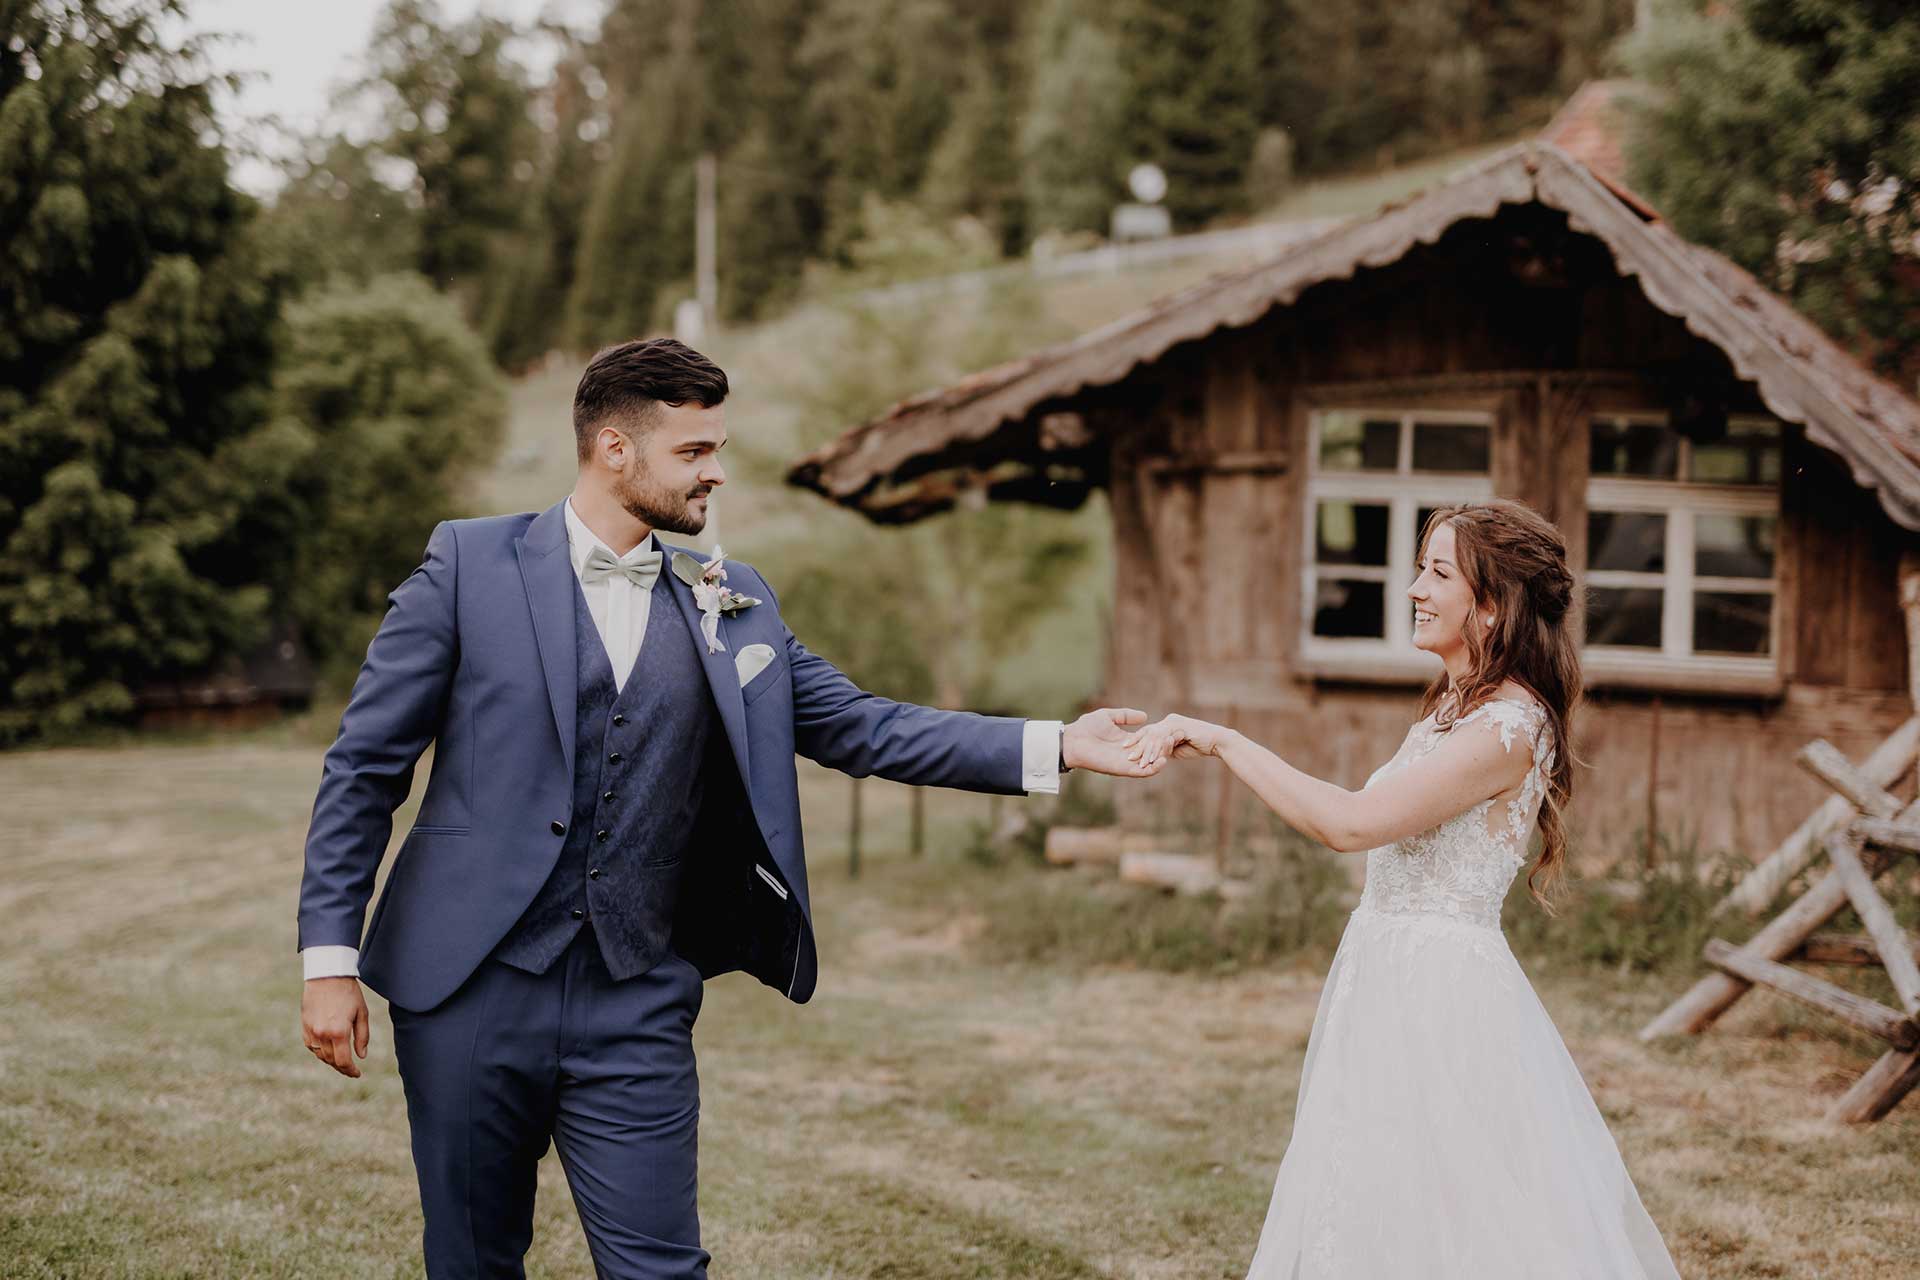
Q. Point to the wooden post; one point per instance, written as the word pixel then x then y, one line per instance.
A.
pixel 917 821
pixel 1653 788
pixel 853 831
pixel 1910 605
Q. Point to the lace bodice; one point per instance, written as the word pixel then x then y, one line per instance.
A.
pixel 1462 868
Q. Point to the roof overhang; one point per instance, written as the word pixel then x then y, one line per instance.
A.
pixel 1801 374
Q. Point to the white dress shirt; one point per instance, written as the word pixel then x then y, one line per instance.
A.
pixel 619 610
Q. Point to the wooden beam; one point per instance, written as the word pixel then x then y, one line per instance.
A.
pixel 1823 760
pixel 1896 952
pixel 1883 767
pixel 1868 1015
pixel 1843 948
pixel 1899 836
pixel 1879 1090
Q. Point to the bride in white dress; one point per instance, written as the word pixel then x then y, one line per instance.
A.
pixel 1442 1129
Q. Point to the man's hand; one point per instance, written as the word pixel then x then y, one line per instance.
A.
pixel 333 1022
pixel 1097 741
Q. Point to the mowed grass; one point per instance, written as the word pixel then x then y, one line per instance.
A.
pixel 936 1111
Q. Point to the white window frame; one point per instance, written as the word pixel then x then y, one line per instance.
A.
pixel 1403 492
pixel 1680 501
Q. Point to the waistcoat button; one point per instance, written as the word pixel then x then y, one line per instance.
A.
pixel 559 828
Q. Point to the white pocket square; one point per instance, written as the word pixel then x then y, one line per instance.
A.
pixel 751 661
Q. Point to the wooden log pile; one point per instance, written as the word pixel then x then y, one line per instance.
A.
pixel 1155 861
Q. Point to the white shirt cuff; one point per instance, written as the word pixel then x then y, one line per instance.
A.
pixel 330 962
pixel 1040 758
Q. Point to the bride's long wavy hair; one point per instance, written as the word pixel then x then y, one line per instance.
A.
pixel 1515 562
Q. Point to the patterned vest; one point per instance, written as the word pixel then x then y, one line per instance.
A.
pixel 638 774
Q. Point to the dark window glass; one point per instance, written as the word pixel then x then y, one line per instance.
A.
pixel 1733 546
pixel 1732 622
pixel 1636 449
pixel 1343 607
pixel 1624 616
pixel 1748 454
pixel 1349 442
pixel 1632 540
pixel 1449 446
pixel 1350 533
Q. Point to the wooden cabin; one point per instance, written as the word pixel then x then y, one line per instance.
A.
pixel 1737 493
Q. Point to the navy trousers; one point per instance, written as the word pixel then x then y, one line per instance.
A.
pixel 603 1069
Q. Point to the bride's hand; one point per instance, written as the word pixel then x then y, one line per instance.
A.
pixel 1177 737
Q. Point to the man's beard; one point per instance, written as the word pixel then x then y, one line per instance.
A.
pixel 659 507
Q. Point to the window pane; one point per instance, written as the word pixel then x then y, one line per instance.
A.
pixel 1639 449
pixel 1450 446
pixel 1349 442
pixel 1748 454
pixel 1343 607
pixel 1632 540
pixel 1624 615
pixel 1351 533
pixel 1732 622
pixel 1733 546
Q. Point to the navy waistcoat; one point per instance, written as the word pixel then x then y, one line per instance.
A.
pixel 640 754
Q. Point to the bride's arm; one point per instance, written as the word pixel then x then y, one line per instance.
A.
pixel 1475 762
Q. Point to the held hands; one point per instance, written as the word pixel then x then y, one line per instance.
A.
pixel 333 1022
pixel 1097 741
pixel 1176 737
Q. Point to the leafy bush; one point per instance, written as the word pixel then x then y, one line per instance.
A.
pixel 384 400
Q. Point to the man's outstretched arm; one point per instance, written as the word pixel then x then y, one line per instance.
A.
pixel 842 726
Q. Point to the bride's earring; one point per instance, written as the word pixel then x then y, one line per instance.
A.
pixel 1487 620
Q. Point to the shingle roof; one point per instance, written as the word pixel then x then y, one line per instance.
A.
pixel 1802 375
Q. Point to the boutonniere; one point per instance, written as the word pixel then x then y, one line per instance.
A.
pixel 711 593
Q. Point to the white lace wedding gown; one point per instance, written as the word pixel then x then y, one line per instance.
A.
pixel 1442 1129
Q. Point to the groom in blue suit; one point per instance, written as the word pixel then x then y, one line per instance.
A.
pixel 612 818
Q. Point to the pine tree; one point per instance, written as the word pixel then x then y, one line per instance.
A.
pixel 1073 156
pixel 134 361
pixel 1193 76
pixel 1784 134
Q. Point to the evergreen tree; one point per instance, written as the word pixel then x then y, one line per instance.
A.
pixel 1193 75
pixel 457 110
pixel 134 361
pixel 1073 159
pixel 1784 134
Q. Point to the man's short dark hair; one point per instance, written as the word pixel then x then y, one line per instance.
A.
pixel 624 383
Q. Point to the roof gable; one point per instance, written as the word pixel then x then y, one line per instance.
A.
pixel 1802 375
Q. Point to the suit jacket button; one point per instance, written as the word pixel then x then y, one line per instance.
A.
pixel 619 720
pixel 578 914
pixel 559 828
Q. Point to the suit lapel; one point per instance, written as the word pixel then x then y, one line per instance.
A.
pixel 547 572
pixel 718 666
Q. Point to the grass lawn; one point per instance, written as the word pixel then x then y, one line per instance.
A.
pixel 934 1112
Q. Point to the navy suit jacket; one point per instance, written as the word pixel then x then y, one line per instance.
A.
pixel 476 654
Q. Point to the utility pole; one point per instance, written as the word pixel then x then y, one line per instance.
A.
pixel 706 285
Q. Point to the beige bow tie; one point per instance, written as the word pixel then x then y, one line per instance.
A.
pixel 602 564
